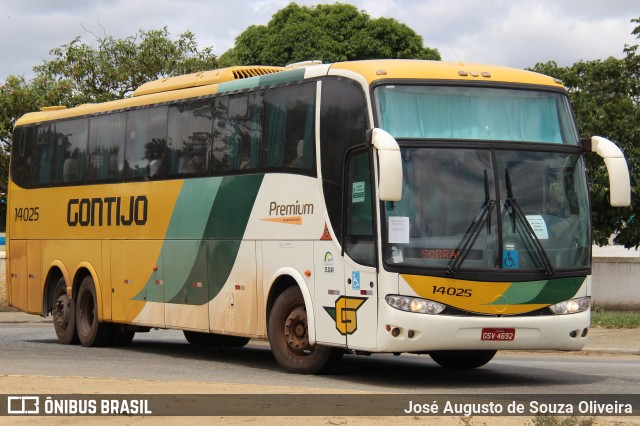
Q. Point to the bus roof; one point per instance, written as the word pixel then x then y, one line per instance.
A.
pixel 243 77
pixel 380 69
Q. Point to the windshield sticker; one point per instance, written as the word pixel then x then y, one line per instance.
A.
pixel 510 259
pixel 398 230
pixel 396 255
pixel 357 194
pixel 539 226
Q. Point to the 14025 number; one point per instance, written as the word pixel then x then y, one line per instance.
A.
pixel 27 214
pixel 452 291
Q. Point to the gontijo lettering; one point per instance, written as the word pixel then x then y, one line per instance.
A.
pixel 108 211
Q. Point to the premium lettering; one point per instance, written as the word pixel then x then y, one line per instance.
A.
pixel 294 209
pixel 109 211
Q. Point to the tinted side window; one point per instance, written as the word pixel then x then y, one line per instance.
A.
pixel 289 128
pixel 70 151
pixel 237 133
pixel 41 166
pixel 21 151
pixel 343 121
pixel 106 147
pixel 146 143
pixel 189 138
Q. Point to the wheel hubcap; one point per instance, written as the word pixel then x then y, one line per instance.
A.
pixel 295 330
pixel 61 311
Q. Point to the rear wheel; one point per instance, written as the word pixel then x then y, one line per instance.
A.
pixel 64 314
pixel 289 338
pixel 91 332
pixel 462 359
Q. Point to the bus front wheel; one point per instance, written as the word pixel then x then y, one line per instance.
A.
pixel 462 359
pixel 91 332
pixel 64 314
pixel 289 339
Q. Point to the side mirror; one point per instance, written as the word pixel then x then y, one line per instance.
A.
pixel 390 164
pixel 619 182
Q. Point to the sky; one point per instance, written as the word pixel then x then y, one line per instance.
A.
pixel 517 33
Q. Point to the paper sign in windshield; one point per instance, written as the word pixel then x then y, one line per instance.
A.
pixel 539 226
pixel 357 193
pixel 398 230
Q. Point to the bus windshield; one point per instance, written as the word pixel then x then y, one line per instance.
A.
pixel 475 113
pixel 489 209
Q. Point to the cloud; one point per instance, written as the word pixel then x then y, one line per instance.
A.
pixel 502 32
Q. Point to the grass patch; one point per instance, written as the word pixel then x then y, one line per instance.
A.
pixel 615 319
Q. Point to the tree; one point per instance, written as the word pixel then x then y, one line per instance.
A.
pixel 81 73
pixel 606 98
pixel 116 67
pixel 326 32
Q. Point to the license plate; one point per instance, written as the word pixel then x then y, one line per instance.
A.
pixel 498 334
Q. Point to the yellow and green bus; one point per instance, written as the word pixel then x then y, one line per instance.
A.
pixel 372 206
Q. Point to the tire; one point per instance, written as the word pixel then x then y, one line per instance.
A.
pixel 205 339
pixel 64 314
pixel 463 360
pixel 287 330
pixel 91 332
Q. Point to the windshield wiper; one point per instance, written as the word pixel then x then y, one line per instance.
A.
pixel 517 215
pixel 473 232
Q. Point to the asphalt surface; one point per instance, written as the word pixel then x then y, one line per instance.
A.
pixel 603 340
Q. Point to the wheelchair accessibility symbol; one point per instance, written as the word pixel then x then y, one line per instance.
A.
pixel 510 259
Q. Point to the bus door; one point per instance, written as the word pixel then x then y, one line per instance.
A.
pixel 358 307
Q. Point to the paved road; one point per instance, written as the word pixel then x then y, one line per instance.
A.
pixel 32 349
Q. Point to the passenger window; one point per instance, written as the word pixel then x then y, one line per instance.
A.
pixel 41 167
pixel 21 151
pixel 106 147
pixel 290 129
pixel 146 141
pixel 70 150
pixel 189 138
pixel 237 133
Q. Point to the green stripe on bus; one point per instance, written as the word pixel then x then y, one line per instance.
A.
pixel 203 238
pixel 545 292
pixel 558 290
pixel 521 292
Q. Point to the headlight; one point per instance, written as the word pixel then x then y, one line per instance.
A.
pixel 572 306
pixel 414 304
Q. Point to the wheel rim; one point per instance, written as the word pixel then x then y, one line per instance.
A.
pixel 295 331
pixel 61 312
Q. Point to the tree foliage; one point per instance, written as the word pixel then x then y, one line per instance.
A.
pixel 606 98
pixel 326 32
